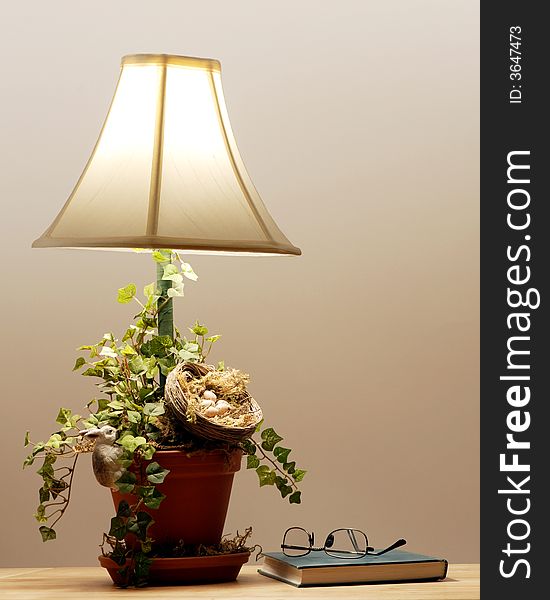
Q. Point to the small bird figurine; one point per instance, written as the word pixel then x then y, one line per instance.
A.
pixel 105 457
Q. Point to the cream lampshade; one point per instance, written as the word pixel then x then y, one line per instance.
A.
pixel 166 171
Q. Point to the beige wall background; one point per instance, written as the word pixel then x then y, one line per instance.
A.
pixel 358 122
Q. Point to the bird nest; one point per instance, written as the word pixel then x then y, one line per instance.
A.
pixel 210 403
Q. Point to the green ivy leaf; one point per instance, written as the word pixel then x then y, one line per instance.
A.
pixel 252 462
pixel 187 270
pixel 198 329
pixel 139 524
pixel 40 514
pixel 155 473
pixel 134 416
pixel 169 271
pixel 123 509
pixel 281 454
pixel 145 323
pixel 119 554
pixel 148 451
pixel 150 290
pixel 153 409
pixel 151 368
pixel 93 372
pixel 91 422
pixel 142 564
pixel 295 498
pixel 156 346
pixel 126 294
pixel 188 356
pixel 27 439
pixel 152 498
pixel 64 416
pixel 126 462
pixel 213 338
pixel 290 467
pixel 130 443
pixel 130 332
pixel 36 450
pixel 118 528
pixel 128 351
pixel 47 533
pixel 46 470
pixel 126 482
pixel 285 490
pixel 116 405
pixel 74 422
pixel 162 256
pixel 102 403
pixel 298 474
pixel 44 494
pixel 57 486
pixel 28 461
pixel 176 291
pixel 108 352
pixel 282 486
pixel 166 365
pixel 265 475
pixel 79 362
pixel 145 393
pixel 137 365
pixel 270 438
pixel 248 446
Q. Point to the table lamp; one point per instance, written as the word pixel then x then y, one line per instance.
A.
pixel 166 173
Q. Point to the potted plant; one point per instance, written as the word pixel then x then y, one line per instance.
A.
pixel 170 479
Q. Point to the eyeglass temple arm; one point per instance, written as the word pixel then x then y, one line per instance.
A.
pixel 291 547
pixel 353 539
pixel 400 542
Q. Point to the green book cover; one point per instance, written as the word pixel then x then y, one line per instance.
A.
pixel 322 559
pixel 318 568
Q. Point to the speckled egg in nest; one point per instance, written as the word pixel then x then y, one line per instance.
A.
pixel 212 404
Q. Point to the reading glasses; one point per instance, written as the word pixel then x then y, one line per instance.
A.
pixel 340 543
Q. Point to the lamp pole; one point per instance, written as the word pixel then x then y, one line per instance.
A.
pixel 165 316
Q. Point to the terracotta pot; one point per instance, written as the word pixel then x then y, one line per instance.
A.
pixel 196 569
pixel 197 492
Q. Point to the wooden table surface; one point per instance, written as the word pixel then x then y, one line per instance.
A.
pixel 89 583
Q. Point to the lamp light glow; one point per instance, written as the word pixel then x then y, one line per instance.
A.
pixel 166 171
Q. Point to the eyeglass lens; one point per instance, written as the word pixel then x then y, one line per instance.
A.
pixel 296 542
pixel 346 543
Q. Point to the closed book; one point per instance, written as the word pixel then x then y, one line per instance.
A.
pixel 317 568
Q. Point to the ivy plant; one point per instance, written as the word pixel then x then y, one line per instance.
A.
pixel 129 371
pixel 277 468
